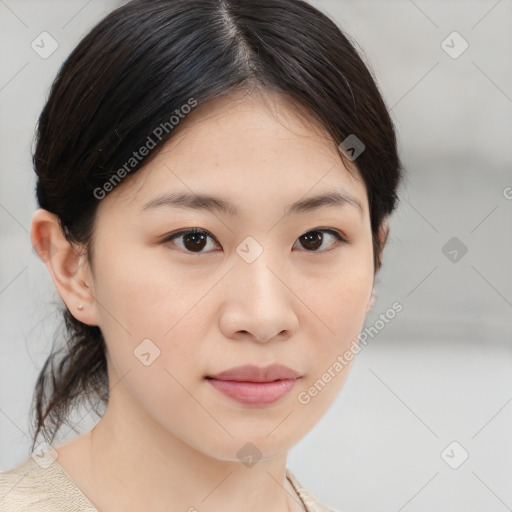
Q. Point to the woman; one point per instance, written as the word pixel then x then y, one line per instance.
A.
pixel 214 179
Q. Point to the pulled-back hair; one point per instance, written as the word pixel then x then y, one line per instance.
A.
pixel 138 66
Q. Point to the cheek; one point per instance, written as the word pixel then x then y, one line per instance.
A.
pixel 141 296
pixel 339 298
pixel 337 307
pixel 333 341
pixel 153 313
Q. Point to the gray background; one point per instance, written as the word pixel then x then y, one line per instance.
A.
pixel 441 370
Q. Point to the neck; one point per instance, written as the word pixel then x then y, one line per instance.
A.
pixel 134 464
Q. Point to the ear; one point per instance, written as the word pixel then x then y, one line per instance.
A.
pixel 383 232
pixel 383 236
pixel 68 268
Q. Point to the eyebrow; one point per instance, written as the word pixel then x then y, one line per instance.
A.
pixel 211 203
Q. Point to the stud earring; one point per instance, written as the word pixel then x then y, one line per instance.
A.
pixel 80 307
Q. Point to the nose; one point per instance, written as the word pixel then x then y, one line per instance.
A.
pixel 259 301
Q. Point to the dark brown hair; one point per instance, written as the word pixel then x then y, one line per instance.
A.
pixel 131 72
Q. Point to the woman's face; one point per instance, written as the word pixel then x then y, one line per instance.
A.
pixel 261 286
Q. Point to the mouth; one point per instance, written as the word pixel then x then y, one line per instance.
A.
pixel 256 394
pixel 255 386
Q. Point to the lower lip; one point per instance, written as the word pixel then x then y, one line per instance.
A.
pixel 254 393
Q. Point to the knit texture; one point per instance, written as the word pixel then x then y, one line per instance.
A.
pixel 40 484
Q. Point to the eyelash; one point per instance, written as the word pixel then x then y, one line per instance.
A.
pixel 336 234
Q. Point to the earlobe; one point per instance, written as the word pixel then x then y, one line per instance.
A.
pixel 371 302
pixel 69 273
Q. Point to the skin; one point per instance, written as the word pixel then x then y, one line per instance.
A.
pixel 166 430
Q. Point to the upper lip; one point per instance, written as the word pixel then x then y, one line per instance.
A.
pixel 251 373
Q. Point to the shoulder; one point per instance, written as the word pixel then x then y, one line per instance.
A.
pixel 311 502
pixel 40 486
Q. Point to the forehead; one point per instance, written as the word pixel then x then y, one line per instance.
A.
pixel 243 147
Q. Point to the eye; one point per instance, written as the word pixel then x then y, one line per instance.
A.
pixel 195 240
pixel 315 238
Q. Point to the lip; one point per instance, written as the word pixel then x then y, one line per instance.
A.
pixel 251 373
pixel 255 386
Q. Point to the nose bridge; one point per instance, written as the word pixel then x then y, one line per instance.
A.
pixel 261 297
pixel 257 298
pixel 255 271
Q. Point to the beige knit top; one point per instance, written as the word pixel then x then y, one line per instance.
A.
pixel 44 486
